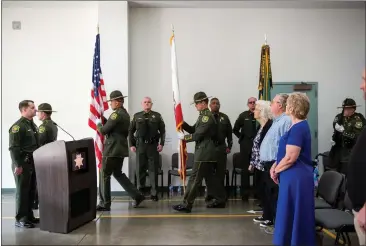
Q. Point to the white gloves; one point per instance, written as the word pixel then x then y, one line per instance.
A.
pixel 180 135
pixel 332 142
pixel 98 121
pixel 339 128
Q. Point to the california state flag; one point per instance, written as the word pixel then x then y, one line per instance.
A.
pixel 182 153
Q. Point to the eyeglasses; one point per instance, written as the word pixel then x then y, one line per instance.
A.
pixel 252 102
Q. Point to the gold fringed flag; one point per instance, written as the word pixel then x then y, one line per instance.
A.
pixel 265 75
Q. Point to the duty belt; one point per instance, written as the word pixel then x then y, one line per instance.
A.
pixel 219 143
pixel 148 141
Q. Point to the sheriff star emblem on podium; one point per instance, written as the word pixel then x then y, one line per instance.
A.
pixel 78 161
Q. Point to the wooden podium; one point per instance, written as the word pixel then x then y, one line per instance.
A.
pixel 67 184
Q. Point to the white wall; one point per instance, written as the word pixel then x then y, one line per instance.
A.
pixel 218 51
pixel 113 23
pixel 51 57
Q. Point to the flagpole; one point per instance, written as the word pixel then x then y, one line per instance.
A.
pixel 180 141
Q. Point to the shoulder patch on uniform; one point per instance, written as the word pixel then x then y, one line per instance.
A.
pixel 205 119
pixel 15 129
pixel 114 116
pixel 359 124
pixel 336 119
pixel 42 129
pixel 188 137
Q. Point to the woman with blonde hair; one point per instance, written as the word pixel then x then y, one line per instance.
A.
pixel 295 217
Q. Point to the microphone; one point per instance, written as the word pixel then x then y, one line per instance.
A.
pixel 64 130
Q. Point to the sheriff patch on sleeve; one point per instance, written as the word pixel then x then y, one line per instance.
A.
pixel 359 124
pixel 205 119
pixel 114 116
pixel 42 129
pixel 188 137
pixel 15 129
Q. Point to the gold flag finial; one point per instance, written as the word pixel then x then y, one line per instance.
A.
pixel 98 28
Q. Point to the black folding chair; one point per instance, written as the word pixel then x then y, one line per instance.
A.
pixel 341 221
pixel 174 167
pixel 327 195
pixel 238 169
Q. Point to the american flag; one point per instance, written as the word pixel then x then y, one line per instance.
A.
pixel 98 102
pixel 182 153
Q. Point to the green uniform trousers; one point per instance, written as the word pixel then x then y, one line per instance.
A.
pixel 113 165
pixel 25 193
pixel 147 163
pixel 220 177
pixel 203 170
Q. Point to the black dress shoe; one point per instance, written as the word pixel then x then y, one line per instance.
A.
pixel 155 198
pixel 245 198
pixel 182 208
pixel 34 220
pixel 138 201
pixel 24 224
pixel 208 198
pixel 216 204
pixel 100 208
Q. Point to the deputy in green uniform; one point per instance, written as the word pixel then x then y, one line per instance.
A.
pixel 48 129
pixel 23 141
pixel 146 129
pixel 245 129
pixel 115 150
pixel 205 156
pixel 347 126
pixel 224 143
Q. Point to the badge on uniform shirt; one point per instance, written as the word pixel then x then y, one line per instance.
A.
pixel 359 124
pixel 205 119
pixel 153 116
pixel 42 129
pixel 114 116
pixel 15 129
pixel 222 118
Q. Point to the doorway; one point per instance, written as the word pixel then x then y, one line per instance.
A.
pixel 311 90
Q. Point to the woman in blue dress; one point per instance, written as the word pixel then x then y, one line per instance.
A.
pixel 295 216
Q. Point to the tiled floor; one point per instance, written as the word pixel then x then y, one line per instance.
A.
pixel 153 224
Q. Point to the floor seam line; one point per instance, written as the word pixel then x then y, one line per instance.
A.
pixel 82 239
